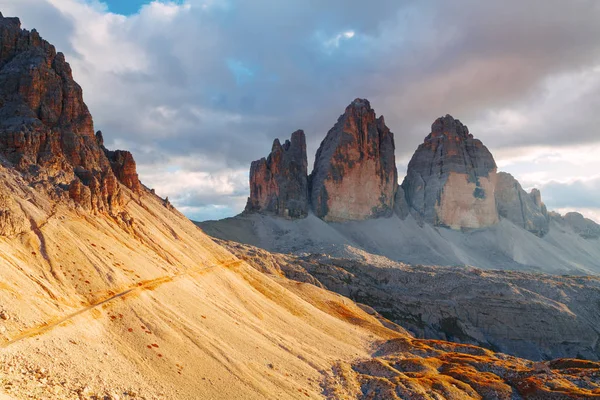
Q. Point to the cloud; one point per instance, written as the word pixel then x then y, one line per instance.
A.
pixel 203 87
pixel 573 195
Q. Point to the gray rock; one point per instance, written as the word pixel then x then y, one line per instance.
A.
pixel 535 316
pixel 355 175
pixel 401 207
pixel 522 208
pixel 584 227
pixel 279 183
pixel 451 178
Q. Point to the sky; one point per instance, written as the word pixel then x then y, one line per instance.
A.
pixel 197 89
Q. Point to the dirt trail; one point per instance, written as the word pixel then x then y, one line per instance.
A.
pixel 150 284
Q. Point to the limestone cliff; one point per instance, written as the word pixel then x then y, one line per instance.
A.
pixel 46 130
pixel 279 183
pixel 451 178
pixel 355 176
pixel 522 208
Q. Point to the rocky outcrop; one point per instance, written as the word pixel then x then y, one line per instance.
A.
pixel 451 178
pixel 46 130
pixel 401 207
pixel 522 208
pixel 279 183
pixel 464 305
pixel 122 164
pixel 584 227
pixel 355 176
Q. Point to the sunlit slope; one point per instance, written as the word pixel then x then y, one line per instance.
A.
pixel 156 308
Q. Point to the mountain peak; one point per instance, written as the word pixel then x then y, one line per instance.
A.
pixel 449 126
pixel 46 129
pixel 358 102
pixel 279 183
pixel 451 178
pixel 355 174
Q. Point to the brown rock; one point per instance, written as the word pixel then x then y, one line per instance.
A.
pixel 279 183
pixel 451 178
pixel 122 164
pixel 355 176
pixel 46 130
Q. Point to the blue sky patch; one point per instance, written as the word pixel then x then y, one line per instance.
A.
pixel 125 7
pixel 242 73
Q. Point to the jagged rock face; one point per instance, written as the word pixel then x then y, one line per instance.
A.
pixel 46 130
pixel 522 208
pixel 122 164
pixel 279 183
pixel 355 176
pixel 451 178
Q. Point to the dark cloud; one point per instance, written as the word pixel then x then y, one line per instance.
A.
pixel 209 88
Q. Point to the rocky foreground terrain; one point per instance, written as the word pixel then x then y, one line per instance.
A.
pixel 108 292
pixel 528 315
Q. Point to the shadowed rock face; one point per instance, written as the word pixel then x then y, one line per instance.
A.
pixel 451 178
pixel 355 176
pixel 522 208
pixel 46 130
pixel 279 183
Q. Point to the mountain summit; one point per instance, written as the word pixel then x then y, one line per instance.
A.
pixel 46 130
pixel 355 176
pixel 451 178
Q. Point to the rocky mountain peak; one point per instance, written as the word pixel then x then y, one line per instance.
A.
pixel 46 129
pixel 449 127
pixel 355 174
pixel 451 178
pixel 279 183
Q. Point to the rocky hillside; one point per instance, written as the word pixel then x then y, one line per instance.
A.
pixel 526 315
pixel 108 292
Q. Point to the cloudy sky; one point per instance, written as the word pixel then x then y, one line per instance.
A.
pixel 197 89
